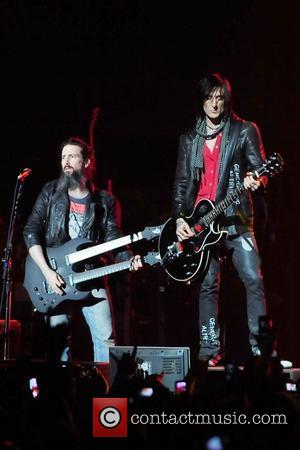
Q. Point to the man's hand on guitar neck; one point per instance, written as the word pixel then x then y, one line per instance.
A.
pixel 183 230
pixel 136 263
pixel 250 182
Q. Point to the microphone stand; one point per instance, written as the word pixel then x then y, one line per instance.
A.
pixel 6 295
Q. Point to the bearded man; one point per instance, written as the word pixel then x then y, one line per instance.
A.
pixel 68 208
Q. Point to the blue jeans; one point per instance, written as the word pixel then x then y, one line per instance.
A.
pixel 99 320
pixel 246 260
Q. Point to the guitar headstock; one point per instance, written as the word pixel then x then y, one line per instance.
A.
pixel 272 165
pixel 152 232
pixel 152 258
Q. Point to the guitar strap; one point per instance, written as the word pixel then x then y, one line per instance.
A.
pixel 234 133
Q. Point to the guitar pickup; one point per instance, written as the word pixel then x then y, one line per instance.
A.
pixel 71 280
pixel 53 264
pixel 173 249
pixel 47 288
pixel 170 255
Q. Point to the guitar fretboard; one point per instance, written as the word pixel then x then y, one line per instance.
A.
pixel 100 272
pixel 152 258
pixel 96 250
pixel 228 200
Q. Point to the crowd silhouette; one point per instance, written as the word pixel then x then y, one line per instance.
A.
pixel 46 404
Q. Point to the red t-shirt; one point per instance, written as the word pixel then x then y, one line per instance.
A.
pixel 210 174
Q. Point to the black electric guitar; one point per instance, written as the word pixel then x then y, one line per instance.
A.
pixel 65 260
pixel 187 260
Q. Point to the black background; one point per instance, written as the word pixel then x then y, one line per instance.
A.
pixel 139 62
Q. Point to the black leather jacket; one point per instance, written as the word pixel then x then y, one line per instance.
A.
pixel 48 223
pixel 247 155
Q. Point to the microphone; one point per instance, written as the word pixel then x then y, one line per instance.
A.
pixel 24 174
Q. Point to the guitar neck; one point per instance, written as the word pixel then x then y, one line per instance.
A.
pixel 270 166
pixel 152 258
pixel 220 207
pixel 96 250
pixel 100 272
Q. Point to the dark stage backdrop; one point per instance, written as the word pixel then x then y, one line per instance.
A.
pixel 140 61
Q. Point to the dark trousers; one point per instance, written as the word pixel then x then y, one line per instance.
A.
pixel 246 260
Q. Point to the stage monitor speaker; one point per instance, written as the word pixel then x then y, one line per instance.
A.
pixel 173 361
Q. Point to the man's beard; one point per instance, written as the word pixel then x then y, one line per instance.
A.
pixel 73 181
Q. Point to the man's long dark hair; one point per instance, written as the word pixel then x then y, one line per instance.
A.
pixel 204 88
